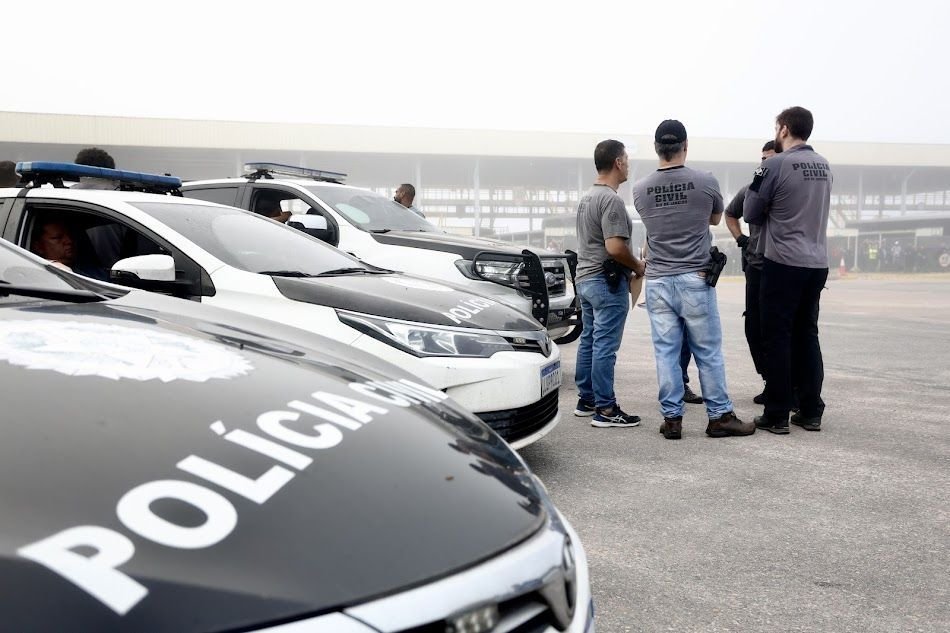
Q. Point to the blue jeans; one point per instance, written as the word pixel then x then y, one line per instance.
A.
pixel 603 313
pixel 681 302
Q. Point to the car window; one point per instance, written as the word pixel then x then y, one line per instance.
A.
pixel 371 211
pixel 220 195
pixel 248 241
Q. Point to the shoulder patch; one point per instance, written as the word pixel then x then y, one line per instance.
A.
pixel 613 216
pixel 757 177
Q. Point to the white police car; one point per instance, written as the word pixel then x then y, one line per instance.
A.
pixel 494 360
pixel 168 466
pixel 384 233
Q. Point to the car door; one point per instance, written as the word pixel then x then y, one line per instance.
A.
pixel 88 224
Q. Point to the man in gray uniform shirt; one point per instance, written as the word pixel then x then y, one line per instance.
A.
pixel 752 259
pixel 677 204
pixel 790 197
pixel 604 265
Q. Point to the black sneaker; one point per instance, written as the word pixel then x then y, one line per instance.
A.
pixel 614 416
pixel 809 424
pixel 584 409
pixel 779 427
pixel 690 396
pixel 759 399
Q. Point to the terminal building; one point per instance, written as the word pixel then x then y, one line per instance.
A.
pixel 890 203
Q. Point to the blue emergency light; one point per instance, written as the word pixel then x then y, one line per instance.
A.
pixel 258 170
pixel 41 172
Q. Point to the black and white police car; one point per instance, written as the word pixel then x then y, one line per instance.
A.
pixel 384 233
pixel 169 466
pixel 492 359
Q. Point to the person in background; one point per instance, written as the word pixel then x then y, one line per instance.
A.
pixel 677 204
pixel 605 268
pixel 790 197
pixel 752 259
pixel 405 194
pixel 8 175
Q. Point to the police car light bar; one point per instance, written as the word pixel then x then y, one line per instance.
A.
pixel 258 170
pixel 41 172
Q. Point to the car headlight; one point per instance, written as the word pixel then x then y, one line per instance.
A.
pixel 427 340
pixel 507 273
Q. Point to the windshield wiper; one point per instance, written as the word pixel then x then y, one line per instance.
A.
pixel 380 230
pixel 352 271
pixel 58 294
pixel 284 273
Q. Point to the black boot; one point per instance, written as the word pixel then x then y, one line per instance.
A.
pixel 672 428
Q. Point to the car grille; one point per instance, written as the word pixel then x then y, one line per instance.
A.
pixel 541 345
pixel 557 283
pixel 514 424
pixel 528 613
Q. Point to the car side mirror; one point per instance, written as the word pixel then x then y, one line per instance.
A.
pixel 155 273
pixel 144 267
pixel 311 224
pixel 308 221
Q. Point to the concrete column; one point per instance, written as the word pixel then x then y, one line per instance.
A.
pixel 478 202
pixel 860 193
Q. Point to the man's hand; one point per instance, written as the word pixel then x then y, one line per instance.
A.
pixel 640 268
pixel 742 240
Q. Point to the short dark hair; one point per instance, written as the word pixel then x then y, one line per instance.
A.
pixel 798 120
pixel 407 189
pixel 95 157
pixel 769 146
pixel 8 175
pixel 606 153
pixel 667 151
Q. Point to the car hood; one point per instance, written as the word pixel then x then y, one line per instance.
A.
pixel 465 247
pixel 107 403
pixel 407 298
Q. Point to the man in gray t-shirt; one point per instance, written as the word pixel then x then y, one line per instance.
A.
pixel 677 204
pixel 604 262
pixel 752 259
pixel 790 197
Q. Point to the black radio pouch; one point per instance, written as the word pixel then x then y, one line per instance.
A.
pixel 715 266
pixel 615 272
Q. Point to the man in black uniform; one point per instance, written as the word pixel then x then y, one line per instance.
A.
pixel 752 259
pixel 790 197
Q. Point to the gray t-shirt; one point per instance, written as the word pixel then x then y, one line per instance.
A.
pixel 601 214
pixel 790 196
pixel 753 250
pixel 675 204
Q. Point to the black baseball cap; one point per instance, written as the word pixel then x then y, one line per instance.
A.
pixel 670 131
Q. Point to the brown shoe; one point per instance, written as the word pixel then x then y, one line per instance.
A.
pixel 728 425
pixel 672 428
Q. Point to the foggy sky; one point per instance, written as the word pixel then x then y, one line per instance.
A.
pixel 869 71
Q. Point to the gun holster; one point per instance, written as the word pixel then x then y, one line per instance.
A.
pixel 615 273
pixel 716 265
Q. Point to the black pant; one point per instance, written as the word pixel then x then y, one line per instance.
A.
pixel 685 355
pixel 789 305
pixel 753 318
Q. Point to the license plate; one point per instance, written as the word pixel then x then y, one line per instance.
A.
pixel 550 377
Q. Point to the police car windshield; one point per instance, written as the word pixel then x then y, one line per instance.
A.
pixel 371 211
pixel 248 241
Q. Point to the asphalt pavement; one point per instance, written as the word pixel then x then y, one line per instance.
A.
pixel 845 529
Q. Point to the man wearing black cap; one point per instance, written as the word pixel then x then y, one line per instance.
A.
pixel 752 258
pixel 677 204
pixel 790 196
